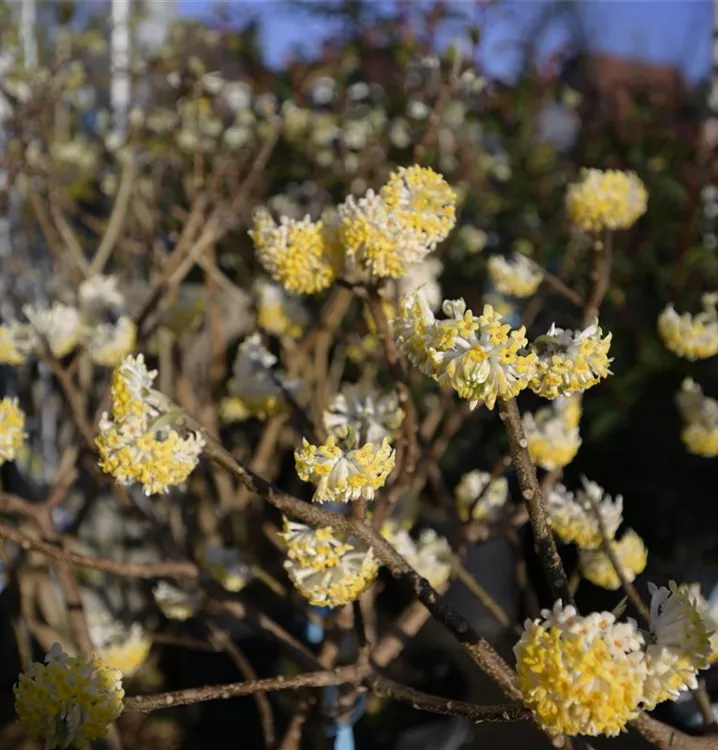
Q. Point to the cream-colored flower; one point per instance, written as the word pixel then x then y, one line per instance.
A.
pixel 691 336
pixel 319 549
pixel 59 326
pixel 279 313
pixel 424 276
pixel 123 648
pixel 480 496
pixel 176 603
pixel 109 343
pixel 700 417
pixel 597 568
pixel 227 565
pixel 12 429
pixel 515 277
pixel 99 294
pixel 553 441
pixel 370 415
pixel 17 341
pixel 429 555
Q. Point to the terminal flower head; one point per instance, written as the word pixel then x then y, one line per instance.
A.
pixel 553 439
pixel 12 429
pixel 371 415
pixel 176 603
pixel 58 326
pixel 17 341
pixel 230 567
pixel 689 336
pixel 700 418
pixel 597 568
pixel 515 277
pixel 279 313
pixel 480 496
pixel 123 648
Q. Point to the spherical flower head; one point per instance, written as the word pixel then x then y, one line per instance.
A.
pixel 319 549
pixel 412 327
pixel 16 343
pixel 597 568
pixel 230 567
pixel 574 518
pixel 491 494
pixel 691 337
pixel 553 442
pixel 700 417
pixel 68 701
pixel 176 603
pixel 122 648
pixel 337 584
pixel 279 313
pixel 12 429
pixel 372 416
pixel 342 476
pixel 429 556
pixel 59 327
pixel 422 201
pixel 514 277
pixel 609 199
pixel 300 255
pixel 580 675
pixel 570 361
pixel 109 343
pixel 678 643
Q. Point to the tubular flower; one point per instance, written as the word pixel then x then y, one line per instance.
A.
pixel 12 429
pixel 700 417
pixel 516 277
pixel 335 579
pixel 570 361
pixel 370 415
pixel 574 518
pixel 430 555
pixel 109 343
pixel 342 475
pixel 176 603
pixel 480 496
pixel 319 549
pixel 228 566
pixel 122 648
pixel 68 701
pixel 598 569
pixel 553 442
pixel 16 343
pixel 580 675
pixel 60 326
pixel 606 200
pixel 279 313
pixel 678 644
pixel 300 255
pixel 691 336
pixel 139 444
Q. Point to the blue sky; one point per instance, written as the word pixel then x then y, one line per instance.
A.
pixel 674 32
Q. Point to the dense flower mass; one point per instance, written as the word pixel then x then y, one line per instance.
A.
pixel 606 200
pixel 700 417
pixel 597 568
pixel 59 327
pixel 279 313
pixel 300 255
pixel 581 675
pixel 68 701
pixel 371 415
pixel 343 475
pixel 481 358
pixel 481 497
pixel 429 555
pixel 123 648
pixel 12 429
pixel 570 361
pixel 553 438
pixel 691 336
pixel 139 444
pixel 516 276
pixel 109 343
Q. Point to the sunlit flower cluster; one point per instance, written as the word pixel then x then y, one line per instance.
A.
pixel 516 277
pixel 570 361
pixel 481 497
pixel 429 555
pixel 176 603
pixel 481 358
pixel 553 438
pixel 574 517
pixel 279 313
pixel 608 199
pixel 140 444
pixel 58 326
pixel 700 417
pixel 597 567
pixel 16 343
pixel 691 336
pixel 227 565
pixel 370 415
pixel 12 429
pixel 68 701
pixel 344 474
pixel 120 647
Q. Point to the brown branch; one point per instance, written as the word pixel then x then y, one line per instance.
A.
pixel 667 738
pixel 601 277
pixel 558 285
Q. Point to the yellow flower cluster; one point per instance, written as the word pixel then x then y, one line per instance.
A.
pixel 552 436
pixel 700 417
pixel 344 475
pixel 176 603
pixel 279 313
pixel 139 443
pixel 574 518
pixel 386 233
pixel 429 555
pixel 609 199
pixel 227 566
pixel 303 256
pixel 691 336
pixel 122 648
pixel 68 701
pixel 581 675
pixel 491 495
pixel 16 343
pixel 597 568
pixel 109 343
pixel 709 615
pixel 481 358
pixel 570 361
pixel 514 277
pixel 372 416
pixel 12 429
pixel 340 571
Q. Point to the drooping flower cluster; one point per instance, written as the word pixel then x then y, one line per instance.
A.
pixel 515 277
pixel 279 313
pixel 691 336
pixel 140 443
pixel 481 358
pixel 68 701
pixel 372 416
pixel 581 675
pixel 574 517
pixel 176 603
pixel 552 434
pixel 386 233
pixel 608 199
pixel 342 475
pixel 227 565
pixel 597 567
pixel 480 497
pixel 429 555
pixel 327 570
pixel 570 361
pixel 12 429
pixel 123 648
pixel 303 256
pixel 700 417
